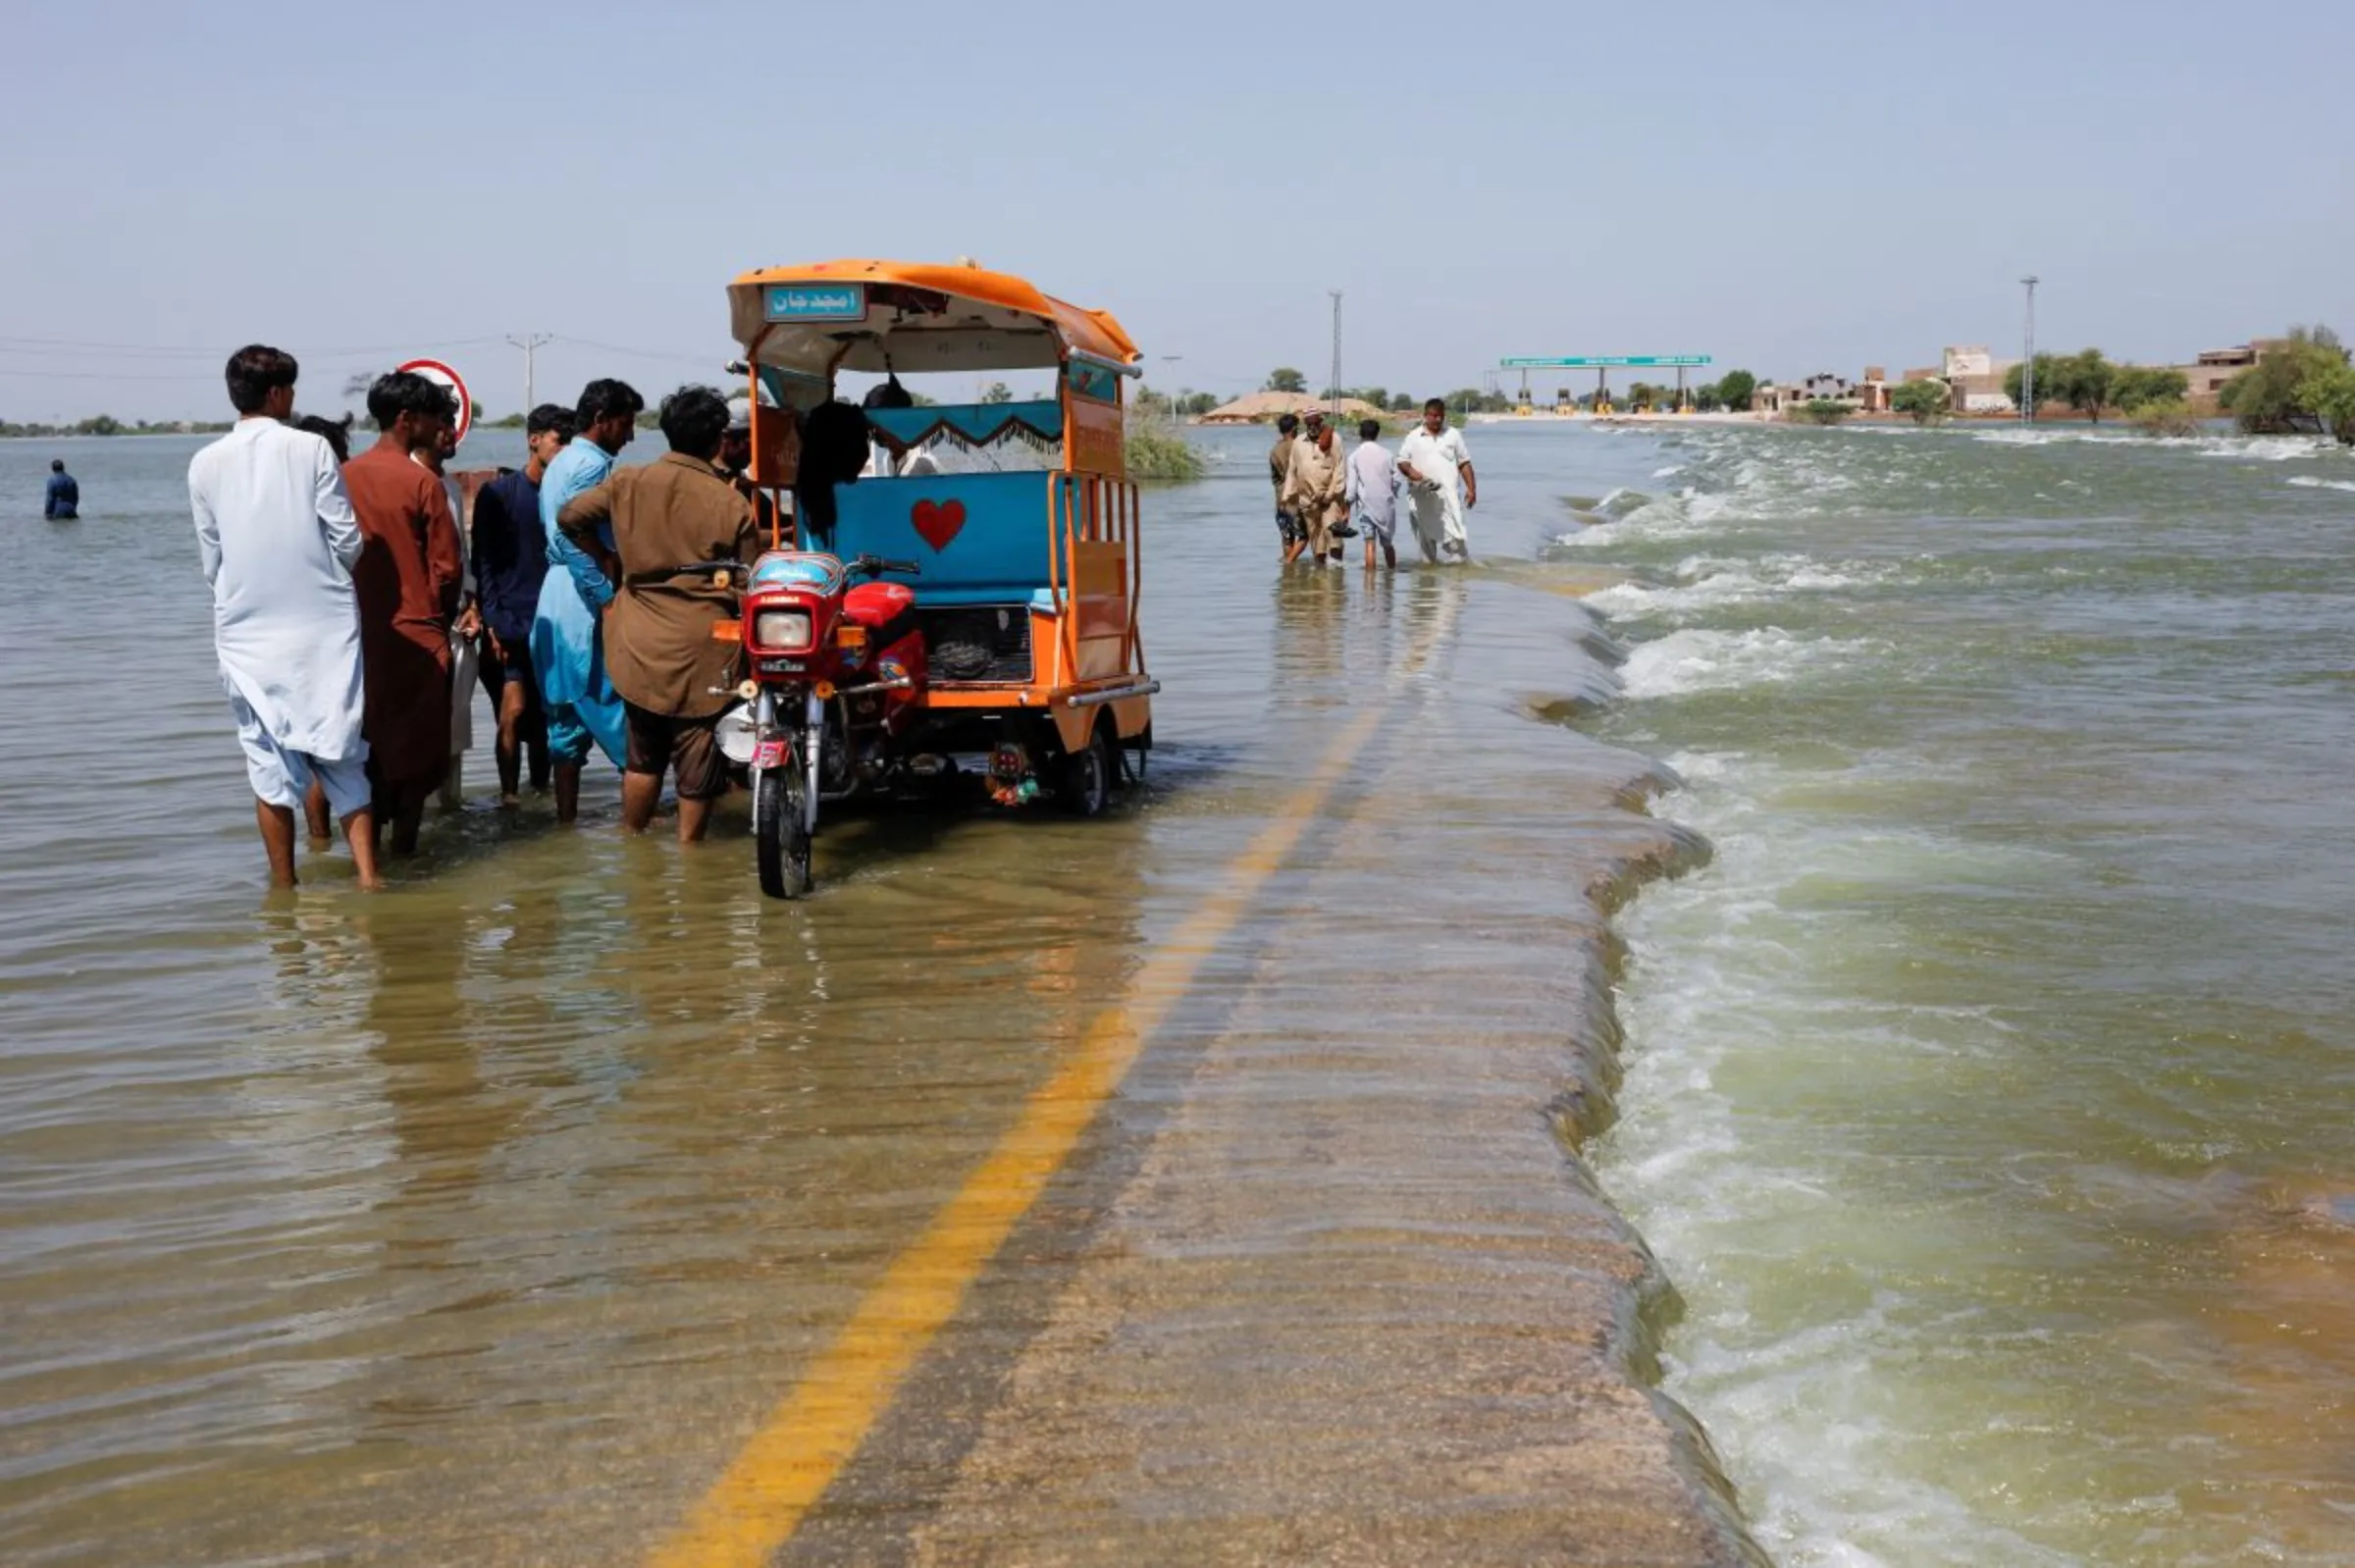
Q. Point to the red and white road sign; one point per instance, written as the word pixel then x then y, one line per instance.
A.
pixel 433 370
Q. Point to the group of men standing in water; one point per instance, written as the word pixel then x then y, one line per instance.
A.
pixel 351 609
pixel 1323 497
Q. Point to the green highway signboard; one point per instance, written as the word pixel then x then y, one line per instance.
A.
pixel 1608 362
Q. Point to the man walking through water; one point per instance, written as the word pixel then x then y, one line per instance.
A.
pixel 278 540
pixel 1314 489
pixel 674 674
pixel 567 648
pixel 1279 469
pixel 510 566
pixel 1435 463
pixel 1372 487
pixel 409 581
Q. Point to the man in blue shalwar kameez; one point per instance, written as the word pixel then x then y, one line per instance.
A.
pixel 567 646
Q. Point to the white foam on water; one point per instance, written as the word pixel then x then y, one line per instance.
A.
pixel 2314 482
pixel 2261 448
pixel 1693 660
pixel 2268 448
pixel 1797 1352
pixel 1704 582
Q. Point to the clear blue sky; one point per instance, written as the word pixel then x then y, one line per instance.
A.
pixel 1789 184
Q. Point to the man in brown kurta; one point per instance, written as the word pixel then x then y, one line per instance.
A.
pixel 408 582
pixel 673 676
pixel 1315 487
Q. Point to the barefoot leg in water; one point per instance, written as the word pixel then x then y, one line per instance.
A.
pixel 276 823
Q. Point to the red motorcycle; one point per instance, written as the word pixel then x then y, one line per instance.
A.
pixel 834 678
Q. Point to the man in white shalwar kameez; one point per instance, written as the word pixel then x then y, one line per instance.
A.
pixel 276 537
pixel 1440 482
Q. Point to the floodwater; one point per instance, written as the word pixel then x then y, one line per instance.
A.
pixel 1991 1098
pixel 489 1220
pixel 1987 1092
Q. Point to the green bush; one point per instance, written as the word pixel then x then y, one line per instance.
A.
pixel 2164 419
pixel 2329 391
pixel 2268 398
pixel 1926 401
pixel 1824 411
pixel 1157 453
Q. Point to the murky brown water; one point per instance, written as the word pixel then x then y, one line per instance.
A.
pixel 484 1220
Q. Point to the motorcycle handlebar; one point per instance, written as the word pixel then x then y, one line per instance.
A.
pixel 873 566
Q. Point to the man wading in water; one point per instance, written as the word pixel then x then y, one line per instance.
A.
pixel 641 526
pixel 510 565
pixel 277 536
pixel 1279 469
pixel 1314 489
pixel 408 579
pixel 1435 462
pixel 567 650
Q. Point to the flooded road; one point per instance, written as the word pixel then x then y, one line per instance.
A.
pixel 1198 1184
pixel 1040 1189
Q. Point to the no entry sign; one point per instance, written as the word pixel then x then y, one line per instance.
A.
pixel 433 370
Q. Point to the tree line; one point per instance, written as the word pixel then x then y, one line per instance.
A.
pixel 2301 384
pixel 108 425
pixel 1733 391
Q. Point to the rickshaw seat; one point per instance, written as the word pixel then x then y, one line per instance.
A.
pixel 981 538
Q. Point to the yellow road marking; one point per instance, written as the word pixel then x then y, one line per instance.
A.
pixel 815 1432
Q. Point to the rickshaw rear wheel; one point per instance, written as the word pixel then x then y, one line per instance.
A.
pixel 780 833
pixel 1085 787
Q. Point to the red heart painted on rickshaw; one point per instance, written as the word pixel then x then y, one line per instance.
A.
pixel 938 522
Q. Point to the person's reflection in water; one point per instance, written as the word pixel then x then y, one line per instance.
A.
pixel 447 1119
pixel 687 923
pixel 1311 611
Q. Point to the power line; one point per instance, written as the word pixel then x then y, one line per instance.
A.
pixel 640 353
pixel 37 345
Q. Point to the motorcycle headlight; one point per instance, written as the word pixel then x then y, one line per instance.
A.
pixel 737 735
pixel 781 628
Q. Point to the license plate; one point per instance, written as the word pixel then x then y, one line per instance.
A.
pixel 773 754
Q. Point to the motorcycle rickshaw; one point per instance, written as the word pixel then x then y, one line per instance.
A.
pixel 971 587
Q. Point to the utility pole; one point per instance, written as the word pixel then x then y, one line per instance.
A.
pixel 1332 393
pixel 2027 363
pixel 529 343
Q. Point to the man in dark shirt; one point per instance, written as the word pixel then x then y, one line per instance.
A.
pixel 510 561
pixel 64 501
pixel 735 465
pixel 1288 531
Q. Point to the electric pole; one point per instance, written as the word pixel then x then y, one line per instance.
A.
pixel 1332 388
pixel 529 343
pixel 2027 363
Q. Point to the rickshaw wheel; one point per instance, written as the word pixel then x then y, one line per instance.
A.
pixel 1087 784
pixel 780 834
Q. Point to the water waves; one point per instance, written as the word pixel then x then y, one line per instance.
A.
pixel 2000 952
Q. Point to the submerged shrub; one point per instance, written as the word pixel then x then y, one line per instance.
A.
pixel 2165 419
pixel 1157 451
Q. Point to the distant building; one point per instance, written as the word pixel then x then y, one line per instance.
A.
pixel 2208 374
pixel 1977 378
pixel 1266 407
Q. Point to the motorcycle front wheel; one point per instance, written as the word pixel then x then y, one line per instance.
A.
pixel 781 833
